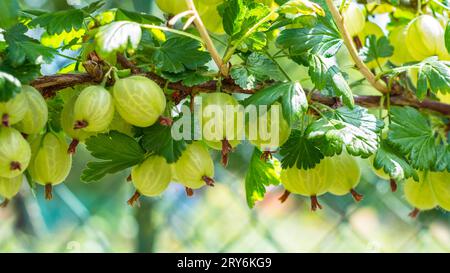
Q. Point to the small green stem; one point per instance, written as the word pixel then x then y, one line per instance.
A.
pixel 179 32
pixel 283 71
pixel 230 51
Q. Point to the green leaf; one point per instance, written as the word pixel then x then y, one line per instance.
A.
pixel 256 69
pixel 355 129
pixel 117 37
pixel 138 17
pixel 118 152
pixel 340 86
pixel 376 48
pixel 433 75
pixel 294 103
pixel 9 86
pixel 411 132
pixel 300 151
pixel 177 54
pixel 9 11
pixel 260 174
pixel 268 95
pixel 443 158
pixel 25 73
pixel 393 162
pixel 22 48
pixel 158 139
pixel 447 37
pixel 59 21
pixel 55 106
pixel 240 16
pixel 189 77
pixel 320 39
pixel 318 71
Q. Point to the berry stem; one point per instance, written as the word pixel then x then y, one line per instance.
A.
pixel 393 184
pixel 285 196
pixel 73 146
pixel 315 203
pixel 15 166
pixel 129 178
pixel 5 120
pixel 48 192
pixel 80 124
pixel 165 121
pixel 266 155
pixel 358 197
pixel 5 203
pixel 189 192
pixel 134 199
pixel 226 149
pixel 208 180
pixel 414 213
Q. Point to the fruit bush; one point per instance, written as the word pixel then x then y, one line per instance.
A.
pixel 365 93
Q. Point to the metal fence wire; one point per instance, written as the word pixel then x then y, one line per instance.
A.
pixel 95 218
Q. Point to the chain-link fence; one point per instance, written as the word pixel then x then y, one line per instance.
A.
pixel 94 217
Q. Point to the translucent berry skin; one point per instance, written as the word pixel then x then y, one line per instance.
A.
pixel 345 173
pixel 311 182
pixel 172 7
pixel 95 106
pixel 397 38
pixel 51 163
pixel 420 194
pixel 266 120
pixel 36 115
pixel 440 183
pixel 194 164
pixel 210 16
pixel 151 177
pixel 139 101
pixel 15 108
pixel 68 120
pixel 15 153
pixel 219 101
pixel 354 19
pixel 9 187
pixel 424 37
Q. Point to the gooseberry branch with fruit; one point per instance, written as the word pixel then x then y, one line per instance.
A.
pixel 370 86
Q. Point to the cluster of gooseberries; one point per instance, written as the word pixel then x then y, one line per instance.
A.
pixel 424 36
pixel 29 144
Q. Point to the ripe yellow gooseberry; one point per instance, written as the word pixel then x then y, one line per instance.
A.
pixel 216 122
pixel 172 6
pixel 354 19
pixel 397 38
pixel 9 187
pixel 139 100
pixel 195 168
pixel 15 153
pixel 150 178
pixel 424 37
pixel 312 182
pixel 50 164
pixel 13 110
pixel 345 174
pixel 36 115
pixel 420 193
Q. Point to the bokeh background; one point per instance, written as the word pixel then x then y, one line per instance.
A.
pixel 95 217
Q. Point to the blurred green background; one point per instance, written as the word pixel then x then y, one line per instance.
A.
pixel 95 217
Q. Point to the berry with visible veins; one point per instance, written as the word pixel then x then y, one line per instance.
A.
pixel 15 153
pixel 139 101
pixel 93 110
pixel 50 164
pixel 195 168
